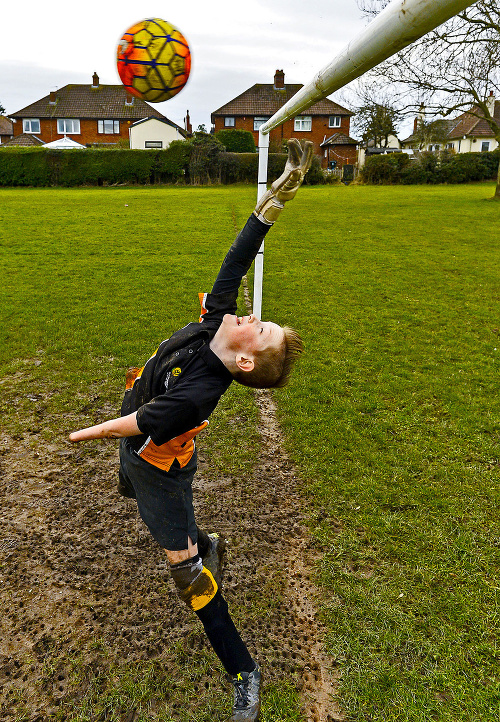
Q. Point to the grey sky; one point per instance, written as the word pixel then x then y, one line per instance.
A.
pixel 233 46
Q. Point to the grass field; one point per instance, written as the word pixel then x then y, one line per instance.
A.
pixel 392 417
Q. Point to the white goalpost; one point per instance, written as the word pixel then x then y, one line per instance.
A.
pixel 398 25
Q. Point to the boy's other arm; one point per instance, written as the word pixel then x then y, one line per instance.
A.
pixel 112 429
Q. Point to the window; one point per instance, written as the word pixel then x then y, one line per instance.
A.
pixel 259 120
pixel 108 126
pixel 334 121
pixel 153 144
pixel 485 146
pixel 31 125
pixel 67 125
pixel 302 122
pixel 228 122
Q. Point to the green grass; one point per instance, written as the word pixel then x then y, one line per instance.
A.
pixel 394 420
pixel 392 416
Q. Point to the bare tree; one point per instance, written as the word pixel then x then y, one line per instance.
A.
pixel 375 118
pixel 454 69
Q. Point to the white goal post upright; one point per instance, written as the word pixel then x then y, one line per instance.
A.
pixel 398 25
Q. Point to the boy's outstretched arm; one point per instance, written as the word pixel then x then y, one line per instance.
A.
pixel 112 429
pixel 246 246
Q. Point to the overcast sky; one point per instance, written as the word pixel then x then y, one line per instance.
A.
pixel 233 45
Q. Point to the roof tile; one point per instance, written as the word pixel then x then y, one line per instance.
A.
pixel 85 101
pixel 24 139
pixel 264 99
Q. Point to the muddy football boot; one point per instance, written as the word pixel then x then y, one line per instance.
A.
pixel 215 557
pixel 246 696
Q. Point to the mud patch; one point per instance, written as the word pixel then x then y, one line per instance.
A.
pixel 84 589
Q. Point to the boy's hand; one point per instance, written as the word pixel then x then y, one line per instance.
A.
pixel 286 186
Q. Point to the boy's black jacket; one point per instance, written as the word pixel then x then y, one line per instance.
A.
pixel 181 384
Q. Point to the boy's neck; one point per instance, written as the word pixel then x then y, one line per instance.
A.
pixel 220 349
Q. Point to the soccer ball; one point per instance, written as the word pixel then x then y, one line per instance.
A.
pixel 153 60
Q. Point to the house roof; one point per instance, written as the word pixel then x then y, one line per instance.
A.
pixel 164 120
pixel 265 99
pixel 24 139
pixel 85 101
pixel 339 139
pixel 6 127
pixel 469 124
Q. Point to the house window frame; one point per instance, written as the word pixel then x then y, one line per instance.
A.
pixel 300 123
pixel 73 123
pixel 483 144
pixel 27 122
pixel 101 128
pixel 158 144
pixel 259 120
pixel 334 121
pixel 229 121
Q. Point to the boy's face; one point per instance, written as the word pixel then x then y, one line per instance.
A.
pixel 249 334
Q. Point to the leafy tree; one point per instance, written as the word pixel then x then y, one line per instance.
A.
pixel 2 109
pixel 452 69
pixel 201 128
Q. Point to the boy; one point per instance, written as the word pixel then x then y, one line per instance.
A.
pixel 167 403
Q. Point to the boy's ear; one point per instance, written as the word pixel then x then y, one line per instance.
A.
pixel 244 363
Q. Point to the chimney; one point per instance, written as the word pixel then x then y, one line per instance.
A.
pixel 187 123
pixel 52 97
pixel 95 80
pixel 279 80
pixel 490 103
pixel 129 98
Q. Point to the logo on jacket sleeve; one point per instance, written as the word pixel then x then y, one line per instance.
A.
pixel 176 371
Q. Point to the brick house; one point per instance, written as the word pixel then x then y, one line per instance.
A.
pixel 90 114
pixel 324 122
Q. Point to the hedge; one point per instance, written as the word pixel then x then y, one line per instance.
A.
pixel 40 167
pixel 431 168
pixel 201 160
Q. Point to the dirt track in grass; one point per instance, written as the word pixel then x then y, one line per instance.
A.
pixel 80 573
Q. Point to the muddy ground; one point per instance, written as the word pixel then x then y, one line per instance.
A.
pixel 79 573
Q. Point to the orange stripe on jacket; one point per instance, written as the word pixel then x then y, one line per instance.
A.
pixel 203 300
pixel 180 448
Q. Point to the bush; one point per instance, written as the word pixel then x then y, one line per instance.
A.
pixel 431 168
pixel 236 141
pixel 204 166
pixel 388 168
pixel 315 175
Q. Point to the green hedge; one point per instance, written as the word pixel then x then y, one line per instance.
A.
pixel 431 168
pixel 95 166
pixel 201 160
pixel 236 141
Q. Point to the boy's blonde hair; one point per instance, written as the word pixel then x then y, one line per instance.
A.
pixel 273 366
